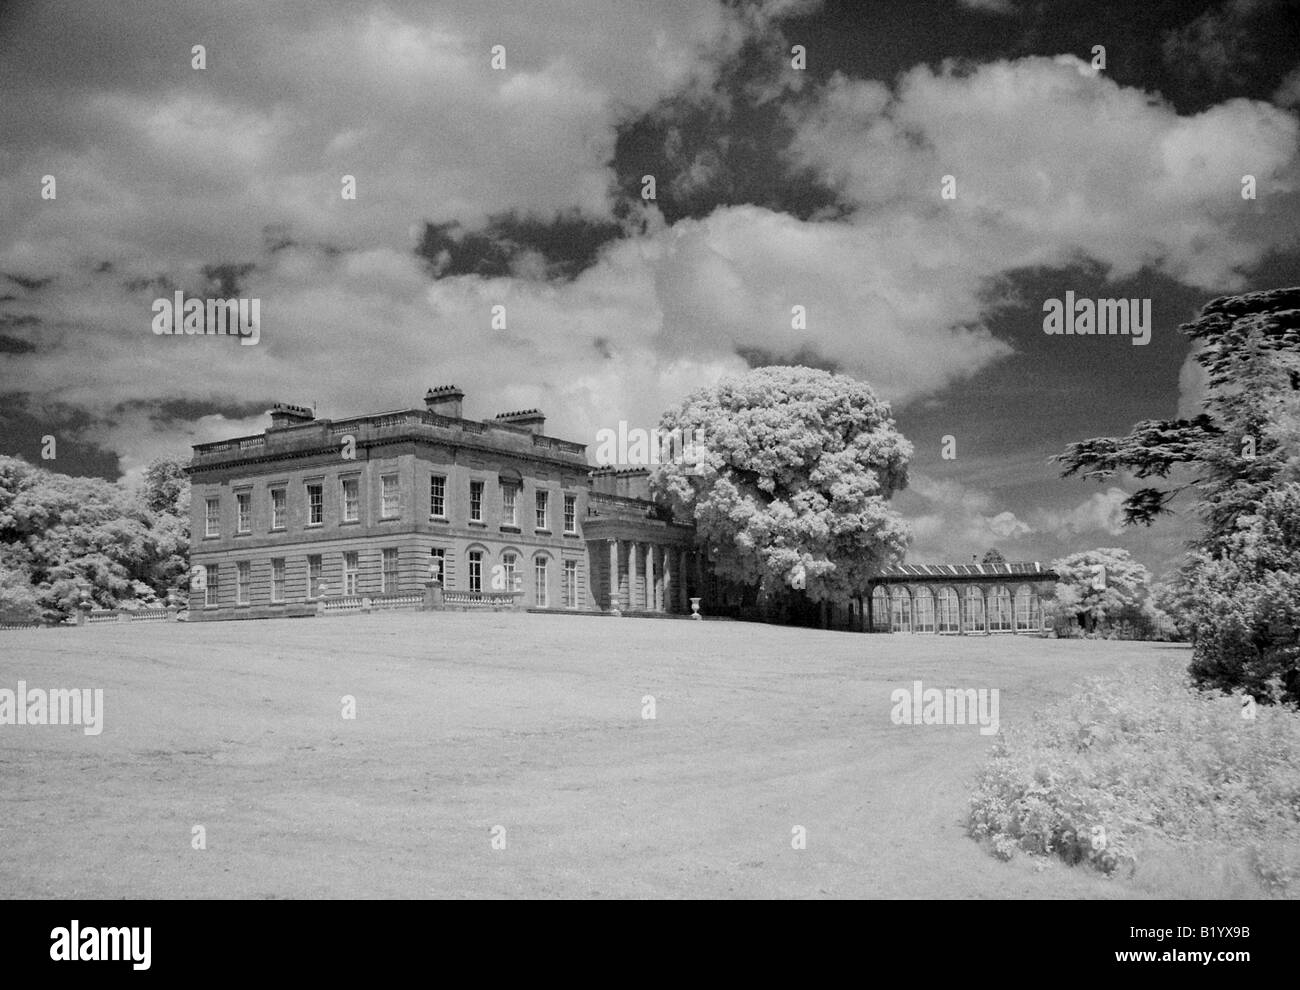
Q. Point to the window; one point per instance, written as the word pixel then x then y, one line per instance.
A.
pixel 570 584
pixel 879 610
pixel 924 611
pixel 212 521
pixel 510 564
pixel 571 514
pixel 1000 610
pixel 211 597
pixel 974 609
pixel 389 501
pixel 438 496
pixel 949 620
pixel 277 508
pixel 315 504
pixel 351 568
pixel 543 500
pixel 313 576
pixel 243 578
pixel 476 501
pixel 351 499
pixel 1026 608
pixel 509 494
pixel 900 612
pixel 438 561
pixel 390 571
pixel 277 579
pixel 244 513
pixel 476 570
pixel 539 582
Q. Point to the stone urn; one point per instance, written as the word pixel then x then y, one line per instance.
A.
pixel 695 609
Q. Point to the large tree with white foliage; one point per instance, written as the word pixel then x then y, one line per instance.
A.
pixel 792 486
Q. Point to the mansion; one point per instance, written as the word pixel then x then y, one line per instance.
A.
pixel 317 513
pixel 376 506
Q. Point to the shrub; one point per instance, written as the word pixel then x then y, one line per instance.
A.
pixel 1135 762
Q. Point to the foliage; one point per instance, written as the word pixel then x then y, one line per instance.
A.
pixel 74 540
pixel 1138 761
pixel 993 556
pixel 793 485
pixel 1099 589
pixel 1246 603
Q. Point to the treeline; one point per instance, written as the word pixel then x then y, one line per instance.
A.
pixel 67 541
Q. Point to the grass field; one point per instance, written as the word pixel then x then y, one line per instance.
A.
pixel 530 722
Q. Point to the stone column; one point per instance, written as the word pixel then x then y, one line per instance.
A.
pixel 613 576
pixel 651 603
pixel 631 575
pixel 683 592
pixel 668 578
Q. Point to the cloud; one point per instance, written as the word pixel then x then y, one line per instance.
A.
pixel 1052 161
pixel 1219 45
pixel 1102 511
pixel 989 6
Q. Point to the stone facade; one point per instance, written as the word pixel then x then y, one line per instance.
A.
pixel 375 506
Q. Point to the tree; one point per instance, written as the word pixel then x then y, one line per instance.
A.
pixel 1246 604
pixel 993 556
pixel 166 487
pixel 792 487
pixel 1242 455
pixel 1245 442
pixel 1100 588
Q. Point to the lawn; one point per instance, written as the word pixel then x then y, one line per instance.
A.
pixel 533 723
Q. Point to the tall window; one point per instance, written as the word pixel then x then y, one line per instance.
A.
pixel 351 569
pixel 509 564
pixel 975 609
pixel 924 610
pixel 212 517
pixel 243 579
pixel 389 500
pixel 210 595
pixel 1026 608
pixel 438 496
pixel 571 514
pixel 539 582
pixel 1000 610
pixel 879 609
pixel 509 496
pixel 315 504
pixel 543 500
pixel 390 571
pixel 277 579
pixel 244 512
pixel 351 499
pixel 476 570
pixel 570 584
pixel 476 501
pixel 949 621
pixel 313 576
pixel 900 610
pixel 277 508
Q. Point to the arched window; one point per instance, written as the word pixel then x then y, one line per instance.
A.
pixel 975 609
pixel 1026 609
pixel 508 578
pixel 948 618
pixel 1000 610
pixel 900 611
pixel 923 610
pixel 879 610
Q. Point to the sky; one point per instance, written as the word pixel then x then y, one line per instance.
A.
pixel 522 186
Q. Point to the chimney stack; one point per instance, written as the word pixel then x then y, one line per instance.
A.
pixel 445 400
pixel 283 414
pixel 530 418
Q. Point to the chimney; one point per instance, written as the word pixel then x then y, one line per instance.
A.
pixel 444 400
pixel 283 414
pixel 531 418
